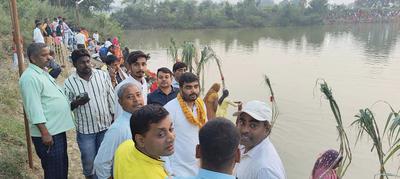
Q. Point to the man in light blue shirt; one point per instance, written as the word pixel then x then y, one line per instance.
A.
pixel 48 111
pixel 218 150
pixel 130 98
pixel 178 69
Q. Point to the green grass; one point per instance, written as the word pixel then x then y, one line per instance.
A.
pixel 13 152
pixel 13 156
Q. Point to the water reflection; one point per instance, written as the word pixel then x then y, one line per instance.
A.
pixel 377 40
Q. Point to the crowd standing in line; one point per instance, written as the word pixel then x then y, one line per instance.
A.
pixel 125 131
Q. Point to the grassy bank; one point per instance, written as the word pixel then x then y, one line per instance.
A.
pixel 13 152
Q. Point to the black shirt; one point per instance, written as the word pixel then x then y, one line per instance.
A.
pixel 159 97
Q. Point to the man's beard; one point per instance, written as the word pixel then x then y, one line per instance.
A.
pixel 190 98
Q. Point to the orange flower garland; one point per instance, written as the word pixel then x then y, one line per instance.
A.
pixel 201 114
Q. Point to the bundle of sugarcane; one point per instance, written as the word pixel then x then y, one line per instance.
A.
pixel 189 54
pixel 344 148
pixel 274 106
pixel 366 123
pixel 208 54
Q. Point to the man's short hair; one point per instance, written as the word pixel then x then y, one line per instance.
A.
pixel 122 89
pixel 34 49
pixel 146 115
pixel 78 53
pixel 135 55
pixel 164 70
pixel 178 65
pixel 219 141
pixel 37 22
pixel 187 77
pixel 110 59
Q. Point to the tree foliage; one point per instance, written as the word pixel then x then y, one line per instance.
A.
pixel 203 14
pixel 97 4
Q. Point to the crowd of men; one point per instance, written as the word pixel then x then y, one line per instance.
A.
pixel 124 130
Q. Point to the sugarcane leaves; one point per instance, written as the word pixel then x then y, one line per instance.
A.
pixel 172 51
pixel 189 55
pixel 274 106
pixel 344 146
pixel 366 122
pixel 393 127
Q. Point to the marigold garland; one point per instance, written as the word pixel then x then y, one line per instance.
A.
pixel 201 114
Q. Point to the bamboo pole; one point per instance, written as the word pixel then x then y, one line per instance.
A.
pixel 18 44
pixel 77 14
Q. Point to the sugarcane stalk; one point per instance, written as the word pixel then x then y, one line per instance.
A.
pixel 344 146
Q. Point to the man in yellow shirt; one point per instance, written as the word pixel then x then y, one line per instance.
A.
pixel 153 136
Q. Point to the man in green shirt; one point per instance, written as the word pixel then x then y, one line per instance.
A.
pixel 48 111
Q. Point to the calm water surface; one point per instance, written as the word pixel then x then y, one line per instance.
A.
pixel 361 63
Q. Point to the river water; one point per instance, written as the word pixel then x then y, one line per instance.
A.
pixel 360 62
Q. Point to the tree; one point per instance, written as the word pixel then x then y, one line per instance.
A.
pixel 319 6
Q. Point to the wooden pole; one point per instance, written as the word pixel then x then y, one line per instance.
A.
pixel 18 44
pixel 77 14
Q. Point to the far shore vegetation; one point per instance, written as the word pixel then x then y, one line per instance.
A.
pixel 191 14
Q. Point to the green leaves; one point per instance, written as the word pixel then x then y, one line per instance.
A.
pixel 366 124
pixel 173 51
pixel 344 145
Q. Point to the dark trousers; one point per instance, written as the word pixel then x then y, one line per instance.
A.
pixel 54 159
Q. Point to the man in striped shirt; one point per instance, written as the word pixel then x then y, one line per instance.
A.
pixel 92 101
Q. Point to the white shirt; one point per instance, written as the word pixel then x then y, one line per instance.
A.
pixel 80 38
pixel 37 36
pixel 183 162
pixel 118 132
pixel 175 84
pixel 260 162
pixel 96 36
pixel 107 44
pixel 145 90
pixel 54 25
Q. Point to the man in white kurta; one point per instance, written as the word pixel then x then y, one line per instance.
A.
pixel 183 162
pixel 259 159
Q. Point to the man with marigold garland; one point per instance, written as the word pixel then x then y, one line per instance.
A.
pixel 188 113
